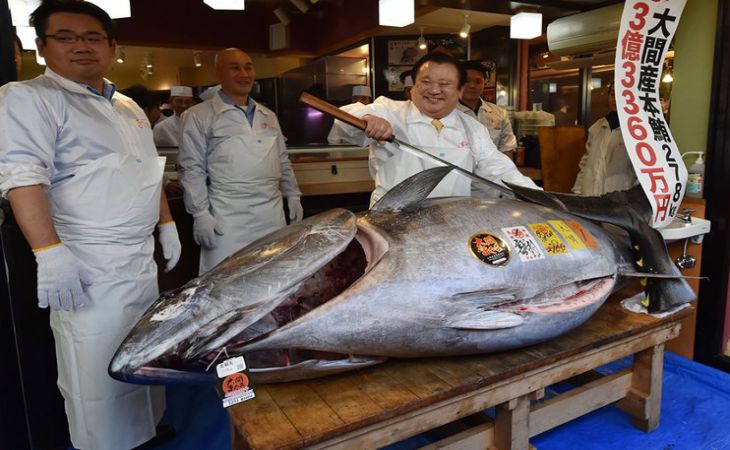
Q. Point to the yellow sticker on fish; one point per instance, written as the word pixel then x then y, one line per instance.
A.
pixel 552 243
pixel 568 234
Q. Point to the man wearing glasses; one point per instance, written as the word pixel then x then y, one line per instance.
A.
pixel 80 169
pixel 431 121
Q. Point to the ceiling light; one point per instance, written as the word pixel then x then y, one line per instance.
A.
pixel 197 59
pixel 117 9
pixel 228 5
pixel 464 32
pixel 667 78
pixel 282 16
pixel 119 54
pixel 422 41
pixel 27 37
pixel 525 25
pixel 148 61
pixel 396 13
pixel 301 6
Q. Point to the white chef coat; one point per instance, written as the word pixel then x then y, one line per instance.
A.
pixel 167 132
pixel 236 171
pixel 103 180
pixel 497 121
pixel 606 166
pixel 391 164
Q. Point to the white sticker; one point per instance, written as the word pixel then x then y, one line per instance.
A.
pixel 230 366
pixel 524 243
pixel 238 397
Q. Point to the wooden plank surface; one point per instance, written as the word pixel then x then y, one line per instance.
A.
pixel 259 415
pixel 318 410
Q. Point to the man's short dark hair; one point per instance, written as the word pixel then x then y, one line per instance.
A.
pixel 39 17
pixel 440 58
pixel 477 67
pixel 145 98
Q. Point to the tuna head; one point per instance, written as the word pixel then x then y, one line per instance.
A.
pixel 268 283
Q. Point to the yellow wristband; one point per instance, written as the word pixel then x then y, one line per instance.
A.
pixel 47 247
pixel 165 223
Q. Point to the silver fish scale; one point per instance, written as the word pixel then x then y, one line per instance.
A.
pixel 402 307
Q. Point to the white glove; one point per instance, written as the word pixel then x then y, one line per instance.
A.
pixel 296 212
pixel 205 227
pixel 170 243
pixel 61 279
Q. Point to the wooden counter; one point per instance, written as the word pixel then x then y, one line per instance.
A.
pixel 377 406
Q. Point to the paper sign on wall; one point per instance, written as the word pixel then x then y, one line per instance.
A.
pixel 647 28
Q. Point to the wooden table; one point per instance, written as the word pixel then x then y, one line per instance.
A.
pixel 380 405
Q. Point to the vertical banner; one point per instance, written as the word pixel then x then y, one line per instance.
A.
pixel 647 28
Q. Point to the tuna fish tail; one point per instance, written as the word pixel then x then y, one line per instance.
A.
pixel 631 211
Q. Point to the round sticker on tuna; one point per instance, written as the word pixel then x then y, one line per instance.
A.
pixel 489 249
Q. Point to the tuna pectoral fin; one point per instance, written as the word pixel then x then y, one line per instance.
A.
pixel 631 211
pixel 411 190
pixel 484 320
pixel 632 274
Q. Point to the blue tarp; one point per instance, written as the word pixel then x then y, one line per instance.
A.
pixel 695 415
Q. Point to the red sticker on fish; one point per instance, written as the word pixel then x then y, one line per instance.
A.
pixel 647 28
pixel 234 384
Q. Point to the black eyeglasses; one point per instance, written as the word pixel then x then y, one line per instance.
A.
pixel 67 37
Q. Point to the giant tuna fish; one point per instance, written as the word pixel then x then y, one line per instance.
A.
pixel 412 277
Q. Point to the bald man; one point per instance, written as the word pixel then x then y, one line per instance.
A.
pixel 235 166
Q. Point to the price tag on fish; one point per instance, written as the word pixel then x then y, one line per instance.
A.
pixel 233 383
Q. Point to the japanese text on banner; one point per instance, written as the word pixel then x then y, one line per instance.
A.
pixel 647 28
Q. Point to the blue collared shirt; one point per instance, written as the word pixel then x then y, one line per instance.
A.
pixel 107 91
pixel 249 110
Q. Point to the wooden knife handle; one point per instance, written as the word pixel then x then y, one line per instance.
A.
pixel 332 110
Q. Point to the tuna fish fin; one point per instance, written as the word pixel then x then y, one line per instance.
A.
pixel 480 319
pixel 634 274
pixel 412 190
pixel 631 211
pixel 487 296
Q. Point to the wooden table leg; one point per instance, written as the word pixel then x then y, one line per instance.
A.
pixel 511 427
pixel 644 401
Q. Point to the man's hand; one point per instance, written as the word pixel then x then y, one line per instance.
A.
pixel 61 278
pixel 205 228
pixel 296 212
pixel 377 128
pixel 170 243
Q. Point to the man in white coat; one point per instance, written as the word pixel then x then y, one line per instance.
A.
pixel 488 114
pixel 167 132
pixel 605 167
pixel 79 167
pixel 235 166
pixel 430 121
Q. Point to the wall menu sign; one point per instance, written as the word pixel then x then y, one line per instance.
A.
pixel 647 28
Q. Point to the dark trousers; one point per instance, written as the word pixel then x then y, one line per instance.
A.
pixel 32 414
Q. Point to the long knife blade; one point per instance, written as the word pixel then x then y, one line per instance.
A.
pixel 356 122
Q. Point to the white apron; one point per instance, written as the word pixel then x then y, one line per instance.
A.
pixel 244 194
pixel 105 215
pixel 403 165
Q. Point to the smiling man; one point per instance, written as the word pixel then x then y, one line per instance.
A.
pixel 81 172
pixel 235 166
pixel 430 121
pixel 490 115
